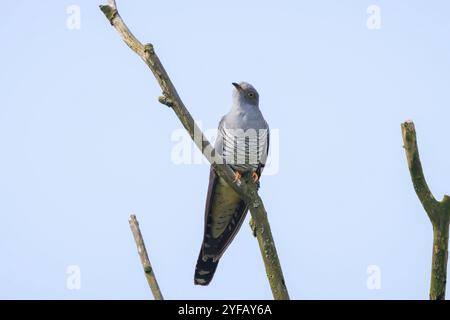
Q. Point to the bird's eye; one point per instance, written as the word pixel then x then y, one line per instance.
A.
pixel 251 94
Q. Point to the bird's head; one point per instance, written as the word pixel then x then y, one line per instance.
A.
pixel 245 94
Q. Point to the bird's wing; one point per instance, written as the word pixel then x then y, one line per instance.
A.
pixel 265 154
pixel 267 143
pixel 224 213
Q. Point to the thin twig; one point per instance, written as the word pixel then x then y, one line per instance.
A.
pixel 247 191
pixel 438 212
pixel 148 270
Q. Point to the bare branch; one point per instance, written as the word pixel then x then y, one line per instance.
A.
pixel 148 270
pixel 438 212
pixel 415 168
pixel 247 191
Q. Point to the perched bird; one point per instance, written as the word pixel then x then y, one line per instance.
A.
pixel 243 142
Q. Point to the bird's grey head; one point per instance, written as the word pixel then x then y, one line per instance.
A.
pixel 245 94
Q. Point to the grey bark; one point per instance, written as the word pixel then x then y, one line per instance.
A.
pixel 142 251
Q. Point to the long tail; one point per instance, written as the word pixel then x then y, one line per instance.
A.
pixel 204 270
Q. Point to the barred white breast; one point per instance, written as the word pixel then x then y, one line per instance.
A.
pixel 245 149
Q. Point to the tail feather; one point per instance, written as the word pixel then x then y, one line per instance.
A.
pixel 204 270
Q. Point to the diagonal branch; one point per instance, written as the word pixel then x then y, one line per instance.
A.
pixel 148 270
pixel 438 212
pixel 247 191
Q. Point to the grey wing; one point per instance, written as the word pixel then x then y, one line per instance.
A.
pixel 267 143
pixel 265 154
pixel 224 213
pixel 218 145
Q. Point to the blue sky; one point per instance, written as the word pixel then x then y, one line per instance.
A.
pixel 84 143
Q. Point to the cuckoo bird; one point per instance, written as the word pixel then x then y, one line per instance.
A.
pixel 243 143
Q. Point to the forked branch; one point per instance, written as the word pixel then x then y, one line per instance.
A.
pixel 438 212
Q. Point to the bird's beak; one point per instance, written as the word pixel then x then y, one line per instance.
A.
pixel 237 86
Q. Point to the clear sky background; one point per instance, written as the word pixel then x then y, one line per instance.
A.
pixel 84 143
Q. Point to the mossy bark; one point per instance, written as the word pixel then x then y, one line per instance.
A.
pixel 439 262
pixel 438 212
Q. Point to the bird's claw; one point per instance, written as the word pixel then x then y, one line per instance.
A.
pixel 237 176
pixel 255 176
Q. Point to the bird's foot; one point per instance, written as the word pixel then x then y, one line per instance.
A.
pixel 255 176
pixel 237 176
